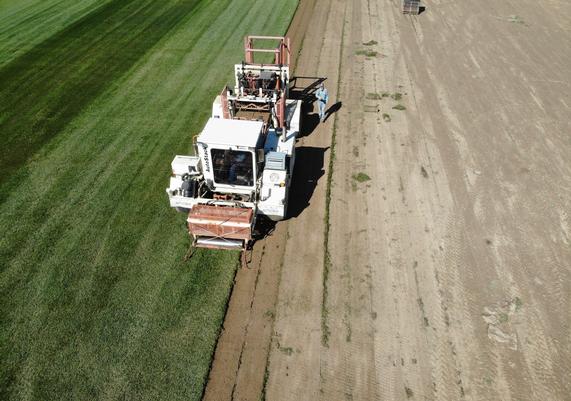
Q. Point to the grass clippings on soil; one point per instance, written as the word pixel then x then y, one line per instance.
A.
pixel 366 53
pixel 361 177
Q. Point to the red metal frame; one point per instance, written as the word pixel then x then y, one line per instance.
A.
pixel 282 57
pixel 281 109
pixel 281 52
pixel 224 102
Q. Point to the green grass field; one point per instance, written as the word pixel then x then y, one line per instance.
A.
pixel 96 97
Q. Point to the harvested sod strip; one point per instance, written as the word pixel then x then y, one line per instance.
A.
pixel 95 299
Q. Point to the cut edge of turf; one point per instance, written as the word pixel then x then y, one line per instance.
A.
pixel 325 330
pixel 238 264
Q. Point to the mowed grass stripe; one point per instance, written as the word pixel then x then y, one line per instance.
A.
pixel 95 299
pixel 104 137
pixel 98 297
pixel 41 91
pixel 25 23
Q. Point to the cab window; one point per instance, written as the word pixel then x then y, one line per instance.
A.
pixel 233 167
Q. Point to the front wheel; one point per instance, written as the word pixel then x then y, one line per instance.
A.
pixel 264 227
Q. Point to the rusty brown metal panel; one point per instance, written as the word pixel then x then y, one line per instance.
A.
pixel 220 221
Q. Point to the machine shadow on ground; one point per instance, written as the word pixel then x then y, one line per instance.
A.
pixel 264 228
pixel 311 158
pixel 332 110
pixel 309 168
pixel 304 88
pixel 309 161
pixel 309 123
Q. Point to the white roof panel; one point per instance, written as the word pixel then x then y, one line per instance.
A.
pixel 220 131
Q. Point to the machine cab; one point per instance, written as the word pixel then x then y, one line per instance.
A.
pixel 227 150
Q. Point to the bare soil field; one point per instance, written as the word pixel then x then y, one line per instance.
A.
pixel 428 256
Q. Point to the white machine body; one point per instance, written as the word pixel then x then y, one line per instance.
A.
pixel 268 152
pixel 244 157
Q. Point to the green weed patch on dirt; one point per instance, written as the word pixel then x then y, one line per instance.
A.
pixel 366 52
pixel 373 96
pixel 361 177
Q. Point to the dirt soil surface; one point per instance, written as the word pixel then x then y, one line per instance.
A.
pixel 436 265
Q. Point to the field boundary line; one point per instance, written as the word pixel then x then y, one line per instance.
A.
pixel 325 331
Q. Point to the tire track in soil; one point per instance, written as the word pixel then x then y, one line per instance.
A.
pixel 239 368
pixel 297 375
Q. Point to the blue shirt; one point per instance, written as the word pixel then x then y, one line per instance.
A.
pixel 322 95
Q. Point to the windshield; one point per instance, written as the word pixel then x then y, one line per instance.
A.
pixel 233 167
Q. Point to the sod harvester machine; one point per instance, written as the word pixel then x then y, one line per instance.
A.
pixel 244 156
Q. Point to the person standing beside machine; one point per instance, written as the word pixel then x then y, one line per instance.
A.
pixel 322 97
